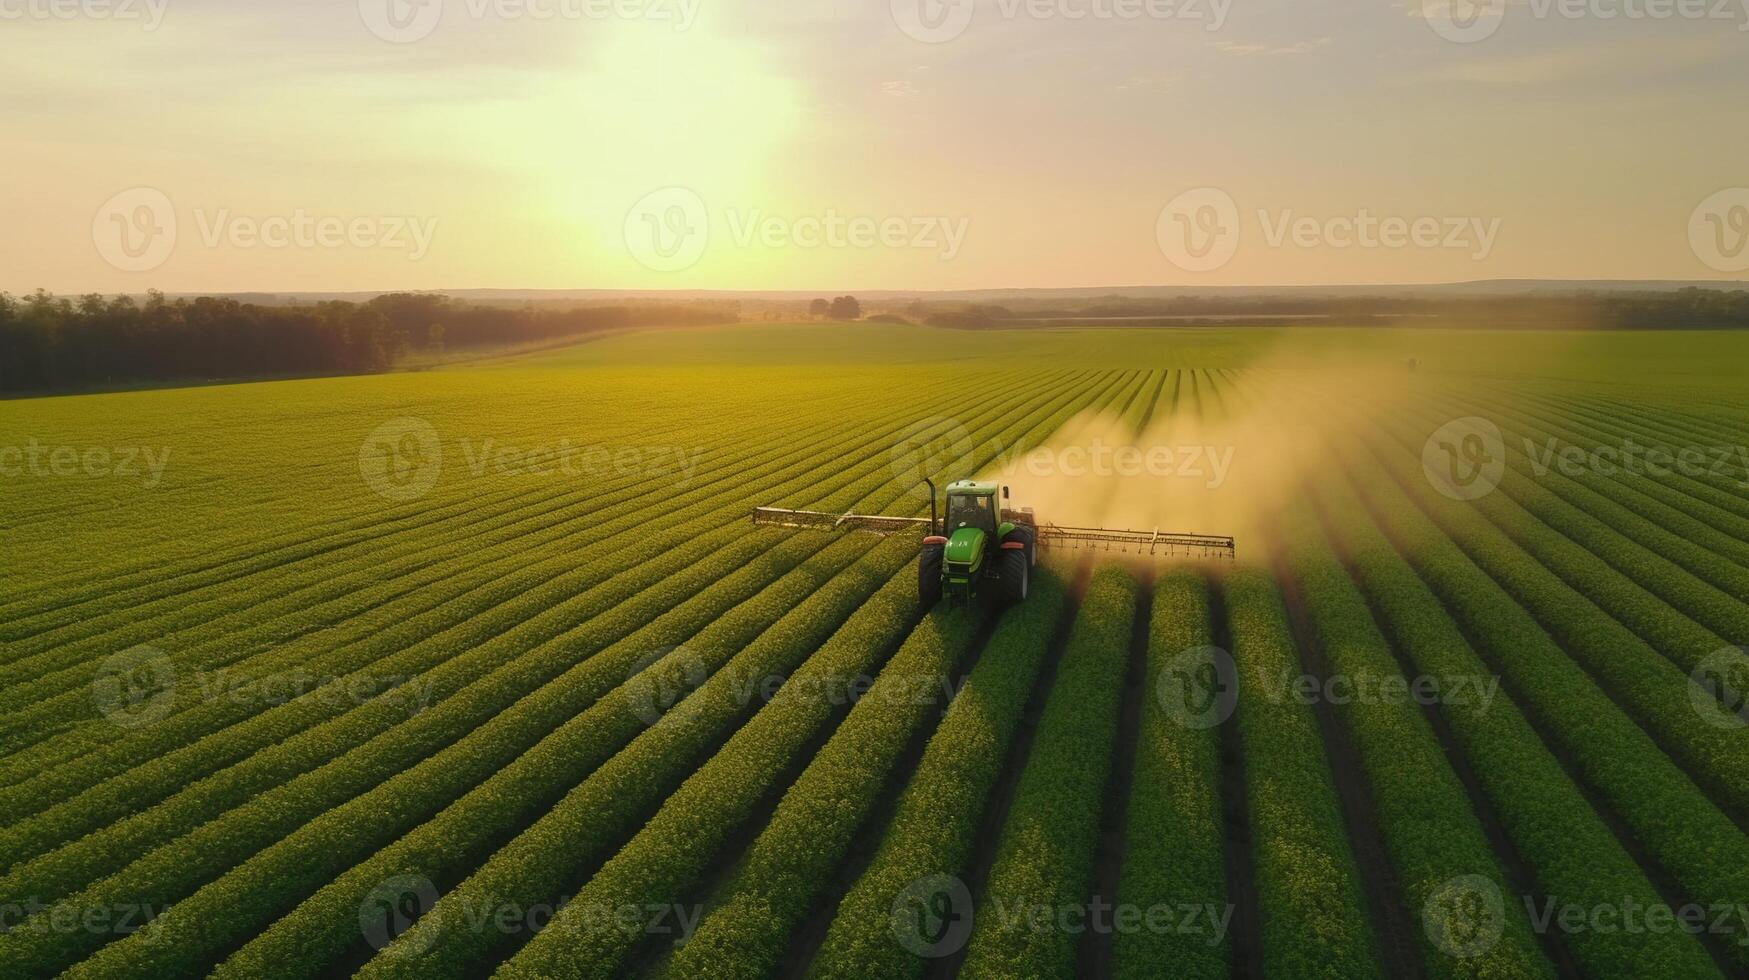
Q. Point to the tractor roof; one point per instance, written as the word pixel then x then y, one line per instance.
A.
pixel 971 487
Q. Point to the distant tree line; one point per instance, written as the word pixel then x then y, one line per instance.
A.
pixel 1690 308
pixel 837 308
pixel 56 343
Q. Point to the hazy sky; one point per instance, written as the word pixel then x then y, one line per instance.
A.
pixel 224 145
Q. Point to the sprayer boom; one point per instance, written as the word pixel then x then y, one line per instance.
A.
pixel 1156 542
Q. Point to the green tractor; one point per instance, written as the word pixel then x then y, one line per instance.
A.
pixel 978 546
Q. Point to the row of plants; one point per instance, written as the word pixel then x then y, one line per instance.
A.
pixel 631 509
pixel 190 807
pixel 1173 841
pixel 669 854
pixel 444 932
pixel 1630 565
pixel 1665 503
pixel 659 752
pixel 312 454
pixel 1653 688
pixel 1430 831
pixel 790 865
pixel 1723 489
pixel 938 814
pixel 121 601
pixel 1050 838
pixel 1315 918
pixel 343 811
pixel 508 630
pixel 1566 845
pixel 1681 831
pixel 325 651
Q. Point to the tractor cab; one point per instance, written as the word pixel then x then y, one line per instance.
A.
pixel 971 506
pixel 968 545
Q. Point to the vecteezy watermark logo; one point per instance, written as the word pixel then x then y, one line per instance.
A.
pixel 150 13
pixel 940 21
pixel 1630 458
pixel 401 459
pixel 1208 464
pixel 933 21
pixel 1718 230
pixel 1464 21
pixel 1199 229
pixel 1465 917
pixel 401 21
pixel 669 229
pixel 303 230
pixel 135 231
pixel 927 448
pixel 660 684
pixel 136 687
pixel 1199 689
pixel 932 917
pixel 1719 688
pixel 1465 459
pixel 37 460
pixel 407 21
pixel 390 910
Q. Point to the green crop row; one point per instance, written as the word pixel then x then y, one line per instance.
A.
pixel 1682 831
pixel 1690 519
pixel 1050 839
pixel 447 946
pixel 151 612
pixel 936 821
pixel 268 545
pixel 659 756
pixel 1173 842
pixel 1315 917
pixel 625 508
pixel 1723 490
pixel 101 850
pixel 671 851
pixel 793 858
pixel 1622 562
pixel 1656 690
pixel 508 601
pixel 1430 832
pixel 1574 857
pixel 330 824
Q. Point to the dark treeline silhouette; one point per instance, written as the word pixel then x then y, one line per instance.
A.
pixel 1690 308
pixel 50 343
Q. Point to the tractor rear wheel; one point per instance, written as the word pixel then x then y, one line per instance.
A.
pixel 1014 576
pixel 1024 536
pixel 929 576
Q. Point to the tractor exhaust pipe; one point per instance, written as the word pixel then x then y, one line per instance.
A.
pixel 934 528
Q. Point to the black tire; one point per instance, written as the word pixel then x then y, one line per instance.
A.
pixel 1014 576
pixel 1024 536
pixel 929 576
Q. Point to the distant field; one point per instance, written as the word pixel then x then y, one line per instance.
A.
pixel 383 675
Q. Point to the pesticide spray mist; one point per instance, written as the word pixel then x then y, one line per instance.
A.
pixel 1222 454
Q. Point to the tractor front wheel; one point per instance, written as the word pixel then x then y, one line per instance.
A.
pixel 929 576
pixel 1014 576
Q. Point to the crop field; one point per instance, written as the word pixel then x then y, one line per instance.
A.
pixel 484 670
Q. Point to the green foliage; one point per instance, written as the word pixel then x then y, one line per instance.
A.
pixel 1050 838
pixel 933 830
pixel 1173 839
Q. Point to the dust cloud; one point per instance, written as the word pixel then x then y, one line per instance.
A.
pixel 1221 458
